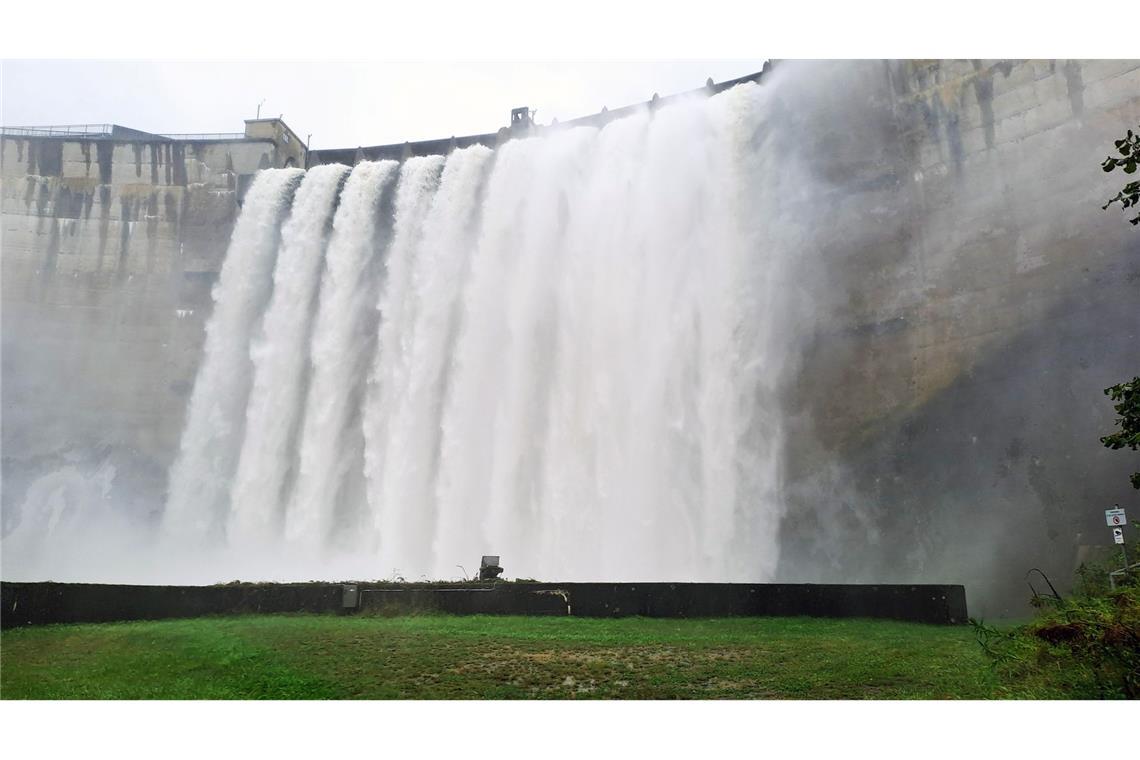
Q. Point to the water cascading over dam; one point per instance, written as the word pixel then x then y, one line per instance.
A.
pixel 851 323
pixel 563 351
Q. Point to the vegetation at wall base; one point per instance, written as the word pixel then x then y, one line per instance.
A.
pixel 1087 645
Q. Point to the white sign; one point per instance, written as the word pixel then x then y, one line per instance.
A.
pixel 1115 517
pixel 1118 535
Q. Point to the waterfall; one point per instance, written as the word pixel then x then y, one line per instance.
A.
pixel 558 351
pixel 388 386
pixel 280 355
pixel 405 507
pixel 215 420
pixel 340 351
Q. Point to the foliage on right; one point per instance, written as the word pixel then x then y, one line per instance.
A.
pixel 1129 197
pixel 1090 643
pixel 1126 394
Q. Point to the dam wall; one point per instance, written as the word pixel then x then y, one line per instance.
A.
pixel 112 239
pixel 958 303
pixel 963 301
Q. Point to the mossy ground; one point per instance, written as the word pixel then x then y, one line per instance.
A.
pixel 446 657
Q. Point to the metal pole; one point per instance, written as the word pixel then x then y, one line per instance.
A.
pixel 1125 571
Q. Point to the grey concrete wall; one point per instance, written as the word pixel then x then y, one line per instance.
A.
pixel 961 302
pixel 289 149
pixel 109 251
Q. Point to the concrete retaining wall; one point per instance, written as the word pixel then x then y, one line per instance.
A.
pixel 42 603
pixel 917 603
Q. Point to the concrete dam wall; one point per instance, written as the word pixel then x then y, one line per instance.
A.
pixel 964 302
pixel 111 243
pixel 955 304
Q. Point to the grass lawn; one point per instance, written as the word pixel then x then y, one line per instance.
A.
pixel 445 657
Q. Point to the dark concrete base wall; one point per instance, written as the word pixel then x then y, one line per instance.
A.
pixel 41 603
pixel 923 603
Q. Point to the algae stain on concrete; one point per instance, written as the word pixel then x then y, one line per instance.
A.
pixel 1076 87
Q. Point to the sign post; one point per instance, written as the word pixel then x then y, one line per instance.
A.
pixel 1116 519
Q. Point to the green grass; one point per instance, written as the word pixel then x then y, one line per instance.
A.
pixel 444 657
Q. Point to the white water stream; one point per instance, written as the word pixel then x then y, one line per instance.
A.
pixel 554 351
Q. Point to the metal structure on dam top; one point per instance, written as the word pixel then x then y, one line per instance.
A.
pixel 521 124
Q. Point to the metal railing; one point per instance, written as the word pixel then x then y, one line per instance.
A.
pixel 204 135
pixel 62 130
pixel 109 131
pixel 1123 572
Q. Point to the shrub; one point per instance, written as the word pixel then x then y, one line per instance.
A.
pixel 1092 575
pixel 1088 647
